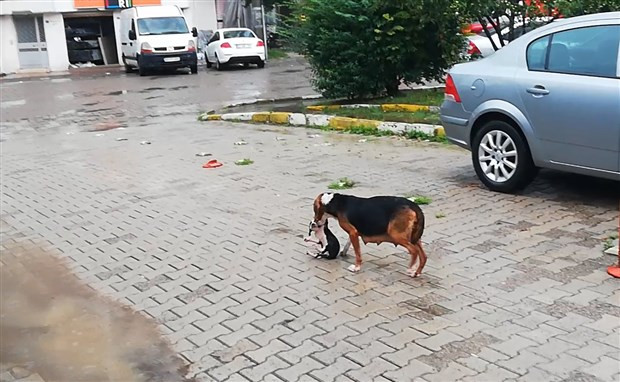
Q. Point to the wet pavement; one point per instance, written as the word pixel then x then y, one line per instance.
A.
pixel 124 261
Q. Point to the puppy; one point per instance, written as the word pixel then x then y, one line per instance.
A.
pixel 379 219
pixel 325 238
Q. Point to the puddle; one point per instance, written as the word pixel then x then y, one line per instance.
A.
pixel 18 102
pixel 54 326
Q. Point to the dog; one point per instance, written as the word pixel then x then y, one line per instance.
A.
pixel 379 219
pixel 330 246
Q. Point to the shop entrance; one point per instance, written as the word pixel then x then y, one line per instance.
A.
pixel 91 40
pixel 31 44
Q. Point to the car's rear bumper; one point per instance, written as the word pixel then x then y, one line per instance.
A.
pixel 250 59
pixel 455 123
pixel 168 60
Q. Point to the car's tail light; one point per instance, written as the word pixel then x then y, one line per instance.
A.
pixel 225 45
pixel 260 43
pixel 473 49
pixel 191 46
pixel 451 93
pixel 146 48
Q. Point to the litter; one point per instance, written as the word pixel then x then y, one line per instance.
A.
pixel 70 133
pixel 314 135
pixel 328 144
pixel 241 143
pixel 203 154
pixel 121 139
pixel 145 143
pixel 99 135
pixel 363 140
pixel 213 163
pixel 280 139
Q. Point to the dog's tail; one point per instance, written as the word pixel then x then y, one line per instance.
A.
pixel 418 230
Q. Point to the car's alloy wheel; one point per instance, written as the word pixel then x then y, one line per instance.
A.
pixel 498 156
pixel 218 65
pixel 501 157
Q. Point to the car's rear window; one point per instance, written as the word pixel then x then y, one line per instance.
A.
pixel 238 34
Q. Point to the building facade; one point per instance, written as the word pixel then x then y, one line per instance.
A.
pixel 52 35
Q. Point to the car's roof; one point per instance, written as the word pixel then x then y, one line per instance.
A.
pixel 233 29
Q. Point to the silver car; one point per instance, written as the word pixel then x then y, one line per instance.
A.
pixel 549 99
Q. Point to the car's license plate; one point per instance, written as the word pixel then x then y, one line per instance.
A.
pixel 243 46
pixel 172 59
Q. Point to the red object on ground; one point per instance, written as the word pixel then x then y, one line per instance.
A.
pixel 614 270
pixel 213 163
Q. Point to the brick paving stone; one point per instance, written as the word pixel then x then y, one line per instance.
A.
pixel 259 371
pixel 492 374
pixel 410 371
pixel 605 369
pixel 340 366
pixel 293 373
pixel 510 279
pixel 454 372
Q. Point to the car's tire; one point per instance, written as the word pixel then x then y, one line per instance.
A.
pixel 218 65
pixel 128 69
pixel 194 69
pixel 142 71
pixel 209 64
pixel 502 158
pixel 261 64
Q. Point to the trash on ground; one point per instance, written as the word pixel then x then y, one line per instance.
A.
pixel 363 140
pixel 99 135
pixel 213 163
pixel 203 154
pixel 70 133
pixel 145 142
pixel 121 139
pixel 244 162
pixel 280 139
pixel 241 143
pixel 314 135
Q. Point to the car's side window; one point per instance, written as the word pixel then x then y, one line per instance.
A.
pixel 216 37
pixel 537 53
pixel 591 51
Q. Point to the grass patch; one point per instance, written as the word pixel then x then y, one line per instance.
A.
pixel 342 184
pixel 419 199
pixel 440 215
pixel 373 132
pixel 277 54
pixel 244 162
pixel 377 114
pixel 430 97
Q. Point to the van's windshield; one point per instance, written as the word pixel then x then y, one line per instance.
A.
pixel 162 25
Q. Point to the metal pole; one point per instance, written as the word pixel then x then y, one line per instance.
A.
pixel 262 11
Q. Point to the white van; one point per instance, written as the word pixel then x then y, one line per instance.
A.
pixel 157 37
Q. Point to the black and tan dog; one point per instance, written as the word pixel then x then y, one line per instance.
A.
pixel 379 219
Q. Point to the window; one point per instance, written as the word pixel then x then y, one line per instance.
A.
pixel 536 53
pixel 239 34
pixel 162 25
pixel 215 38
pixel 590 51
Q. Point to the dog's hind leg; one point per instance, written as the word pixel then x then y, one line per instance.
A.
pixel 355 240
pixel 413 252
pixel 422 256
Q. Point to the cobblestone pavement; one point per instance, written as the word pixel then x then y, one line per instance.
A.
pixel 514 289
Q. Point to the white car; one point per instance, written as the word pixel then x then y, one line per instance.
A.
pixel 481 45
pixel 235 46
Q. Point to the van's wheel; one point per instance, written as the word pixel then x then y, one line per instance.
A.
pixel 194 69
pixel 142 71
pixel 502 158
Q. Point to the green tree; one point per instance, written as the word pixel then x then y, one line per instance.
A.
pixel 361 48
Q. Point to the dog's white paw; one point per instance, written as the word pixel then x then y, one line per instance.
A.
pixel 412 272
pixel 354 268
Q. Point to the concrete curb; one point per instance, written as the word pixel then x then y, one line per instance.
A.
pixel 272 100
pixel 325 121
pixel 399 107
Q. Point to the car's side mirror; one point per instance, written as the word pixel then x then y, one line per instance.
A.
pixel 132 35
pixel 194 32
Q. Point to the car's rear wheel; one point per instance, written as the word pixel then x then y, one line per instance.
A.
pixel 194 69
pixel 261 64
pixel 501 157
pixel 218 65
pixel 209 64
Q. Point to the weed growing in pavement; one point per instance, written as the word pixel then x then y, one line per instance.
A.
pixel 419 199
pixel 342 184
pixel 609 242
pixel 440 215
pixel 244 162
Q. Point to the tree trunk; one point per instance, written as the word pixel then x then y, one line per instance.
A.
pixel 391 87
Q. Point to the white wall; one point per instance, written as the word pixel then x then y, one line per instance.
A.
pixel 9 62
pixel 8 7
pixel 117 35
pixel 54 25
pixel 200 13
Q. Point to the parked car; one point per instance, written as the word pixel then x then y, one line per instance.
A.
pixel 480 45
pixel 235 46
pixel 549 99
pixel 154 37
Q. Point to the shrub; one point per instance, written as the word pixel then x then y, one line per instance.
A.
pixel 364 48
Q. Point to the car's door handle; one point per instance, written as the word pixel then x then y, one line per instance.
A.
pixel 538 90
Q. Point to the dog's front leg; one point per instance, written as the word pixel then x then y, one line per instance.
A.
pixel 355 240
